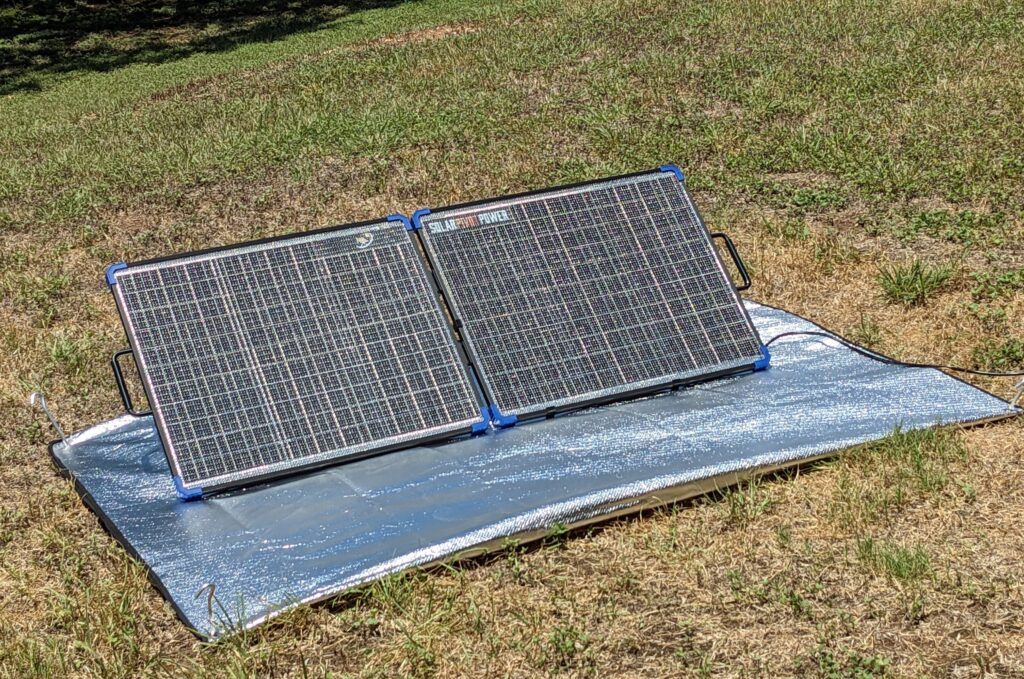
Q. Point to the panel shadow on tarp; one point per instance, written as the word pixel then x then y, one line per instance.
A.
pixel 304 539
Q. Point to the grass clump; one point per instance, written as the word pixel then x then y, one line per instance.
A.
pixel 850 665
pixel 69 354
pixel 746 502
pixel 908 564
pixel 831 251
pixel 566 649
pixel 804 199
pixel 1006 355
pixel 788 229
pixel 911 284
pixel 966 227
pixel 36 294
pixel 990 286
pixel 867 333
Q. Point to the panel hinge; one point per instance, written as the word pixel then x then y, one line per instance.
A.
pixel 417 218
pixel 500 420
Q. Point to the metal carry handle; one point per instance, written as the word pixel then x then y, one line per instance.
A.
pixel 736 259
pixel 126 398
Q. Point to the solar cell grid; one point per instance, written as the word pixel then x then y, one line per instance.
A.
pixel 573 295
pixel 270 357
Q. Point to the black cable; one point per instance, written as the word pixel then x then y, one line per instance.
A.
pixel 892 361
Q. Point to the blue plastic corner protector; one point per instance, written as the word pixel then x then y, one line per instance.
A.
pixel 399 217
pixel 674 169
pixel 417 217
pixel 112 269
pixel 184 493
pixel 763 362
pixel 482 426
pixel 500 420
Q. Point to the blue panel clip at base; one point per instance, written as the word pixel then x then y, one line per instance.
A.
pixel 417 218
pixel 674 169
pixel 485 423
pixel 501 421
pixel 186 494
pixel 112 269
pixel 399 217
pixel 765 360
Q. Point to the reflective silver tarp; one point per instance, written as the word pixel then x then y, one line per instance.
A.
pixel 235 560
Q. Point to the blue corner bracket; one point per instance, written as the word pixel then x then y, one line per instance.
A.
pixel 501 421
pixel 187 494
pixel 399 217
pixel 763 362
pixel 113 269
pixel 674 169
pixel 485 422
pixel 417 218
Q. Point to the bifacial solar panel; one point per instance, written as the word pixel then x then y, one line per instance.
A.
pixel 269 357
pixel 583 294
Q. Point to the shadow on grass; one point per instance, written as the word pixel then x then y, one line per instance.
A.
pixel 42 39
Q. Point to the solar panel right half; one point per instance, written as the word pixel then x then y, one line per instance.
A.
pixel 589 293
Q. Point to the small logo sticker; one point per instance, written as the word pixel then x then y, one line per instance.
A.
pixel 495 217
pixel 364 240
pixel 469 221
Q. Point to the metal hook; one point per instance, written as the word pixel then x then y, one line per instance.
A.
pixel 222 618
pixel 37 400
pixel 210 589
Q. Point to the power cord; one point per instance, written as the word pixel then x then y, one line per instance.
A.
pixel 892 361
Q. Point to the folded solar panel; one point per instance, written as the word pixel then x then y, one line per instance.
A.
pixel 584 294
pixel 268 357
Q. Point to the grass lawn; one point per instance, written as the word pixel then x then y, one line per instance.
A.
pixel 867 157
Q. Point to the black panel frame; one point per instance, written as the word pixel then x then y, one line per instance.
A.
pixel 626 394
pixel 260 479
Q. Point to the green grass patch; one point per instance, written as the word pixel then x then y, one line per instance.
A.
pixel 912 284
pixel 908 564
pixel 850 665
pixel 1005 355
pixel 746 501
pixel 801 200
pixel 966 227
pixel 990 286
pixel 877 480
pixel 790 229
pixel 553 92
pixel 566 649
pixel 867 333
pixel 831 250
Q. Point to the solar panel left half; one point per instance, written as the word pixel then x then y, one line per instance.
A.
pixel 270 357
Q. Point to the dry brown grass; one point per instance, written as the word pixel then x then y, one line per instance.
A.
pixel 794 575
pixel 698 589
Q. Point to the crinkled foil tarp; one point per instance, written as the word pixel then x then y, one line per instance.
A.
pixel 310 537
